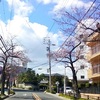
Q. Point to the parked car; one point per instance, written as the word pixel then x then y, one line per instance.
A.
pixel 69 90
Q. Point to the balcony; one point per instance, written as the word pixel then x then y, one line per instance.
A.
pixel 95 49
pixel 92 38
pixel 95 53
pixel 95 57
pixel 94 72
pixel 96 69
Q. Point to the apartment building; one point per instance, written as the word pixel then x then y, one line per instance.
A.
pixel 82 65
pixel 93 57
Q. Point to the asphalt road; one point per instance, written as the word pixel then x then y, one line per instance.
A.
pixel 21 95
pixel 28 95
pixel 46 96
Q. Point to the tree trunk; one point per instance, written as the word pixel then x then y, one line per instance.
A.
pixel 8 86
pixel 3 78
pixel 75 85
pixel 3 81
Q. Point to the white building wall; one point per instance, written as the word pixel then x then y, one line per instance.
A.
pixel 82 74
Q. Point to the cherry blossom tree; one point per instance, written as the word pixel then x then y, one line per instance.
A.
pixel 83 21
pixel 7 53
pixel 69 55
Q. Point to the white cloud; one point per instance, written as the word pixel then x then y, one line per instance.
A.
pixel 30 35
pixel 2 29
pixel 20 7
pixel 55 69
pixel 60 4
pixel 40 30
pixel 44 1
pixel 20 26
pixel 71 3
pixel 61 70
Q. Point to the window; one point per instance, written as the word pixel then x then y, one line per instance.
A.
pixel 82 66
pixel 82 76
pixel 81 36
pixel 81 57
pixel 81 46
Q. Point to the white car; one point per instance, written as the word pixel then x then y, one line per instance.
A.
pixel 69 90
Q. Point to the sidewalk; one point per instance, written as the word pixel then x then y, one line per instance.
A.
pixel 57 95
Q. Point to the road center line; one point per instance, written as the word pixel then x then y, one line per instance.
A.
pixel 36 96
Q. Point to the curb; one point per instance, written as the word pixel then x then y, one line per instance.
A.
pixel 57 95
pixel 6 96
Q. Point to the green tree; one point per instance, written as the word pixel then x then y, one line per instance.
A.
pixel 57 78
pixel 27 77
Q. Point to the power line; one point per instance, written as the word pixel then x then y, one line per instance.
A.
pixel 40 65
pixel 50 28
pixel 64 2
pixel 76 27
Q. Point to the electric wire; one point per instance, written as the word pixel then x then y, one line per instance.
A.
pixel 40 65
pixel 74 28
pixel 82 33
pixel 53 24
pixel 51 29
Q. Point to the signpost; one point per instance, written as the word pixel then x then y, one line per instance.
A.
pixel 57 83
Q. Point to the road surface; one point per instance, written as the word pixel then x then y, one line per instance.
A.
pixel 32 95
pixel 47 96
pixel 21 95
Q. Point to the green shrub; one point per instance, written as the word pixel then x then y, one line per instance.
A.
pixel 2 96
pixel 12 92
pixel 54 88
pixel 30 88
pixel 47 90
pixel 79 85
pixel 87 85
pixel 70 97
pixel 54 92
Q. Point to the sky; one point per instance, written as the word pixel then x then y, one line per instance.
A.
pixel 30 21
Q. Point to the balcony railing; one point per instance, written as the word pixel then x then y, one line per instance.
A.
pixel 95 49
pixel 96 69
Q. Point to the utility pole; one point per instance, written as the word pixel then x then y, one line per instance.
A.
pixel 66 65
pixel 49 50
pixel 48 42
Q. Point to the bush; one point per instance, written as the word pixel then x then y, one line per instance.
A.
pixel 54 92
pixel 70 97
pixel 87 85
pixel 30 88
pixel 12 92
pixel 79 86
pixel 54 88
pixel 47 90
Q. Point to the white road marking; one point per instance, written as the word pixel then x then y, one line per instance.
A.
pixel 24 94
